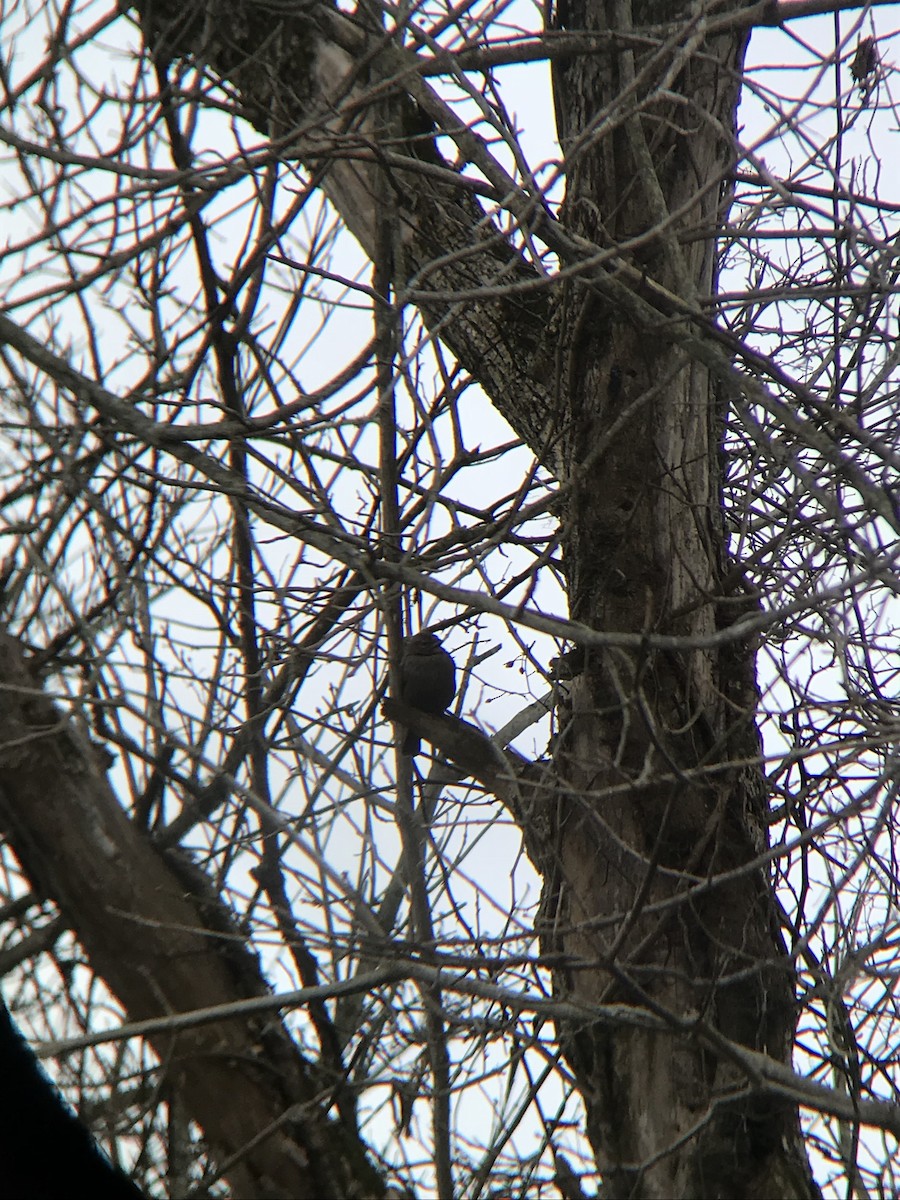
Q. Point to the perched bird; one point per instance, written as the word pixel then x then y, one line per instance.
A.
pixel 427 679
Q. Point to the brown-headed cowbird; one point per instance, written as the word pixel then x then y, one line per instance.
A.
pixel 427 679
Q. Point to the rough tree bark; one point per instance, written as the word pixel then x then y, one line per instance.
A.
pixel 162 947
pixel 651 805
pixel 645 804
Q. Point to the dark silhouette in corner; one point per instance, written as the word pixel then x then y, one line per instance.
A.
pixel 45 1151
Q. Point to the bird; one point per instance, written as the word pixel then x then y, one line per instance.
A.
pixel 427 680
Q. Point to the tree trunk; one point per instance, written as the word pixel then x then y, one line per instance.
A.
pixel 653 806
pixel 163 947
